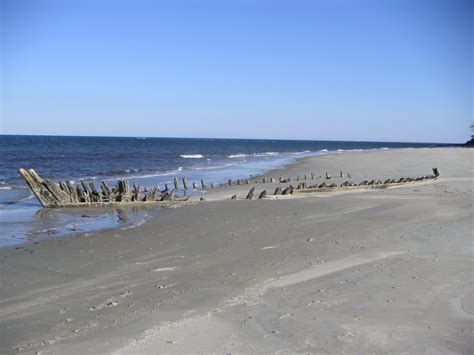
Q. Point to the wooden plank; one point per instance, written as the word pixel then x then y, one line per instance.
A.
pixel 35 187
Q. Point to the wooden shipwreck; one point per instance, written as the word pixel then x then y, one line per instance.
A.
pixel 66 194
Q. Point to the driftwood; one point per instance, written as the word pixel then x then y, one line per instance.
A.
pixel 65 194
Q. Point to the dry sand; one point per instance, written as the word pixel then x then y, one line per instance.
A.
pixel 381 271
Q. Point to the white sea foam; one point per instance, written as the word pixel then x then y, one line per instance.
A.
pixel 233 156
pixel 5 187
pixel 243 155
pixel 135 225
pixel 349 150
pixel 192 156
pixel 303 152
pixel 266 154
pixel 31 196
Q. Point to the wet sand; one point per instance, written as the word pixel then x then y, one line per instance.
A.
pixel 370 271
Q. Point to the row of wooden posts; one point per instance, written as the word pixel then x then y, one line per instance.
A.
pixel 230 182
pixel 66 194
pixel 323 187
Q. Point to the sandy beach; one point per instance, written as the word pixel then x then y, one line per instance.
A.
pixel 364 271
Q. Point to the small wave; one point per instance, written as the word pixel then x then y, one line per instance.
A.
pixel 303 152
pixel 324 150
pixel 384 148
pixel 215 167
pixel 132 170
pixel 233 156
pixel 135 225
pixel 5 187
pixel 349 150
pixel 31 196
pixel 192 156
pixel 266 154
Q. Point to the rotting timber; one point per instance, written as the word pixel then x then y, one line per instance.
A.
pixel 66 194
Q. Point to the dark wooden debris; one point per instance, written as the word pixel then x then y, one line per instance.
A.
pixel 250 194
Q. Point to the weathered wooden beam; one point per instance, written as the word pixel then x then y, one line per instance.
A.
pixel 35 187
pixel 250 194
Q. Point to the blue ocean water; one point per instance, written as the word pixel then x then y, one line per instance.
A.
pixel 148 161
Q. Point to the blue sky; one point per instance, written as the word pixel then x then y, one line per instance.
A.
pixel 340 70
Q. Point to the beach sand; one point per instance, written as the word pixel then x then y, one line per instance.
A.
pixel 369 271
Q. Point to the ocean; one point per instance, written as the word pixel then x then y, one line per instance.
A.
pixel 148 161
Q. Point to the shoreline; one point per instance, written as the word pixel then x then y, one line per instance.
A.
pixel 46 232
pixel 365 272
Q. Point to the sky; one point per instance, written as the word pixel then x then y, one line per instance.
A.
pixel 393 70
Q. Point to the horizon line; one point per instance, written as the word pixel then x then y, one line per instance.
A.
pixel 227 138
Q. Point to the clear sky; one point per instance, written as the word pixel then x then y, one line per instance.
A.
pixel 338 70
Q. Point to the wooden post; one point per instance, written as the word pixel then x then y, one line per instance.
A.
pixel 342 175
pixel 435 172
pixel 262 194
pixel 272 180
pixel 288 190
pixel 327 175
pixel 202 184
pixel 194 186
pixel 185 182
pixel 175 181
pixel 264 179
pixel 278 191
pixel 250 194
pixel 234 197
pixel 312 176
pixel 230 182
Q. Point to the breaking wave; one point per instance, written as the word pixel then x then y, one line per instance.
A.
pixel 191 156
